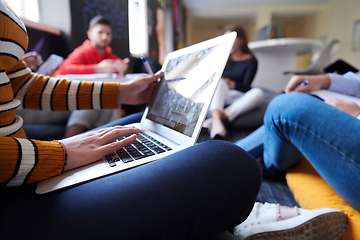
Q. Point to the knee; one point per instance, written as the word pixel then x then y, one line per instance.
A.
pixel 226 150
pixel 257 91
pixel 234 161
pixel 258 94
pixel 222 86
pixel 287 106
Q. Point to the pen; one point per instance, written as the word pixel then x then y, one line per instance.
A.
pixel 147 66
pixel 303 83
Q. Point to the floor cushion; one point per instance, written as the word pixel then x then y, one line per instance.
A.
pixel 311 192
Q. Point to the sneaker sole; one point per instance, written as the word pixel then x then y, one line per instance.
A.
pixel 330 226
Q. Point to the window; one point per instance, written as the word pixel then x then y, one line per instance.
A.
pixel 138 37
pixel 27 9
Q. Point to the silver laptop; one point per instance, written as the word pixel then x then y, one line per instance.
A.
pixel 174 117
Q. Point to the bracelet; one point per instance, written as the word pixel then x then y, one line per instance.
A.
pixel 66 156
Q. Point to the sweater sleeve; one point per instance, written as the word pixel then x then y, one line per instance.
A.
pixel 24 161
pixel 349 83
pixel 48 93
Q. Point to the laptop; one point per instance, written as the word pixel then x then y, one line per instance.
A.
pixel 173 119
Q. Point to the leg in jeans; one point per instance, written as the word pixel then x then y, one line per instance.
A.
pixel 254 143
pixel 298 123
pixel 192 194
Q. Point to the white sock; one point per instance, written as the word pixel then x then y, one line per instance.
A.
pixel 217 128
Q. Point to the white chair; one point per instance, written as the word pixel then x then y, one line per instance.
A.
pixel 319 60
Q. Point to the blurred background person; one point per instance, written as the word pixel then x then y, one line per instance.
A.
pixel 234 90
pixel 95 54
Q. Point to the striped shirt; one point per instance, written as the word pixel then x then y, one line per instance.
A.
pixel 24 161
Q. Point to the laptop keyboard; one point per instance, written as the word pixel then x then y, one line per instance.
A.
pixel 143 146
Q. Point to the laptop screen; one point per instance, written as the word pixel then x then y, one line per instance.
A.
pixel 184 88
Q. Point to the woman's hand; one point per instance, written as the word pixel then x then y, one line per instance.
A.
pixel 314 82
pixel 33 60
pixel 349 107
pixel 231 83
pixel 121 65
pixel 91 146
pixel 105 66
pixel 139 90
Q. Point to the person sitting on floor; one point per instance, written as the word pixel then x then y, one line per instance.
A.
pixel 200 197
pixel 93 56
pixel 186 195
pixel 234 89
pixel 325 132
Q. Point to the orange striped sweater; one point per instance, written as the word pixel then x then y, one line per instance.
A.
pixel 24 161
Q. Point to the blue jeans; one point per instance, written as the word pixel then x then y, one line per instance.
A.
pixel 192 194
pixel 298 123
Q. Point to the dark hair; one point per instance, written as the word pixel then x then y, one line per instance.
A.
pixel 240 34
pixel 99 19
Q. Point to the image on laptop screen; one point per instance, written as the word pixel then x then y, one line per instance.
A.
pixel 184 87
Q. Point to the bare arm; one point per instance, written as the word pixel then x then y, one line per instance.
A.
pixel 315 82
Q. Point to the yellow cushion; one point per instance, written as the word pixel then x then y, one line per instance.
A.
pixel 311 192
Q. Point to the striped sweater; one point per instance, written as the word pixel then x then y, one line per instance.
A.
pixel 24 161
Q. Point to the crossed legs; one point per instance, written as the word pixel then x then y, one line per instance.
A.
pixel 192 194
pixel 239 103
pixel 298 124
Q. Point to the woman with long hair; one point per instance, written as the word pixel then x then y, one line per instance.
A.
pixel 234 90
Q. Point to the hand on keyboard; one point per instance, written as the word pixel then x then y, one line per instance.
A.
pixel 91 146
pixel 143 146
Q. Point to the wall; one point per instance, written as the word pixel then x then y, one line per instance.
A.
pixel 72 17
pixel 82 11
pixel 293 18
pixel 326 21
pixel 51 35
pixel 293 26
pixel 315 21
pixel 202 29
pixel 56 13
pixel 333 23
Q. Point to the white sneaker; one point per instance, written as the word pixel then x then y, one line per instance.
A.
pixel 272 221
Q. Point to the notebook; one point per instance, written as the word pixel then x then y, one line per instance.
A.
pixel 330 95
pixel 175 113
pixel 48 67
